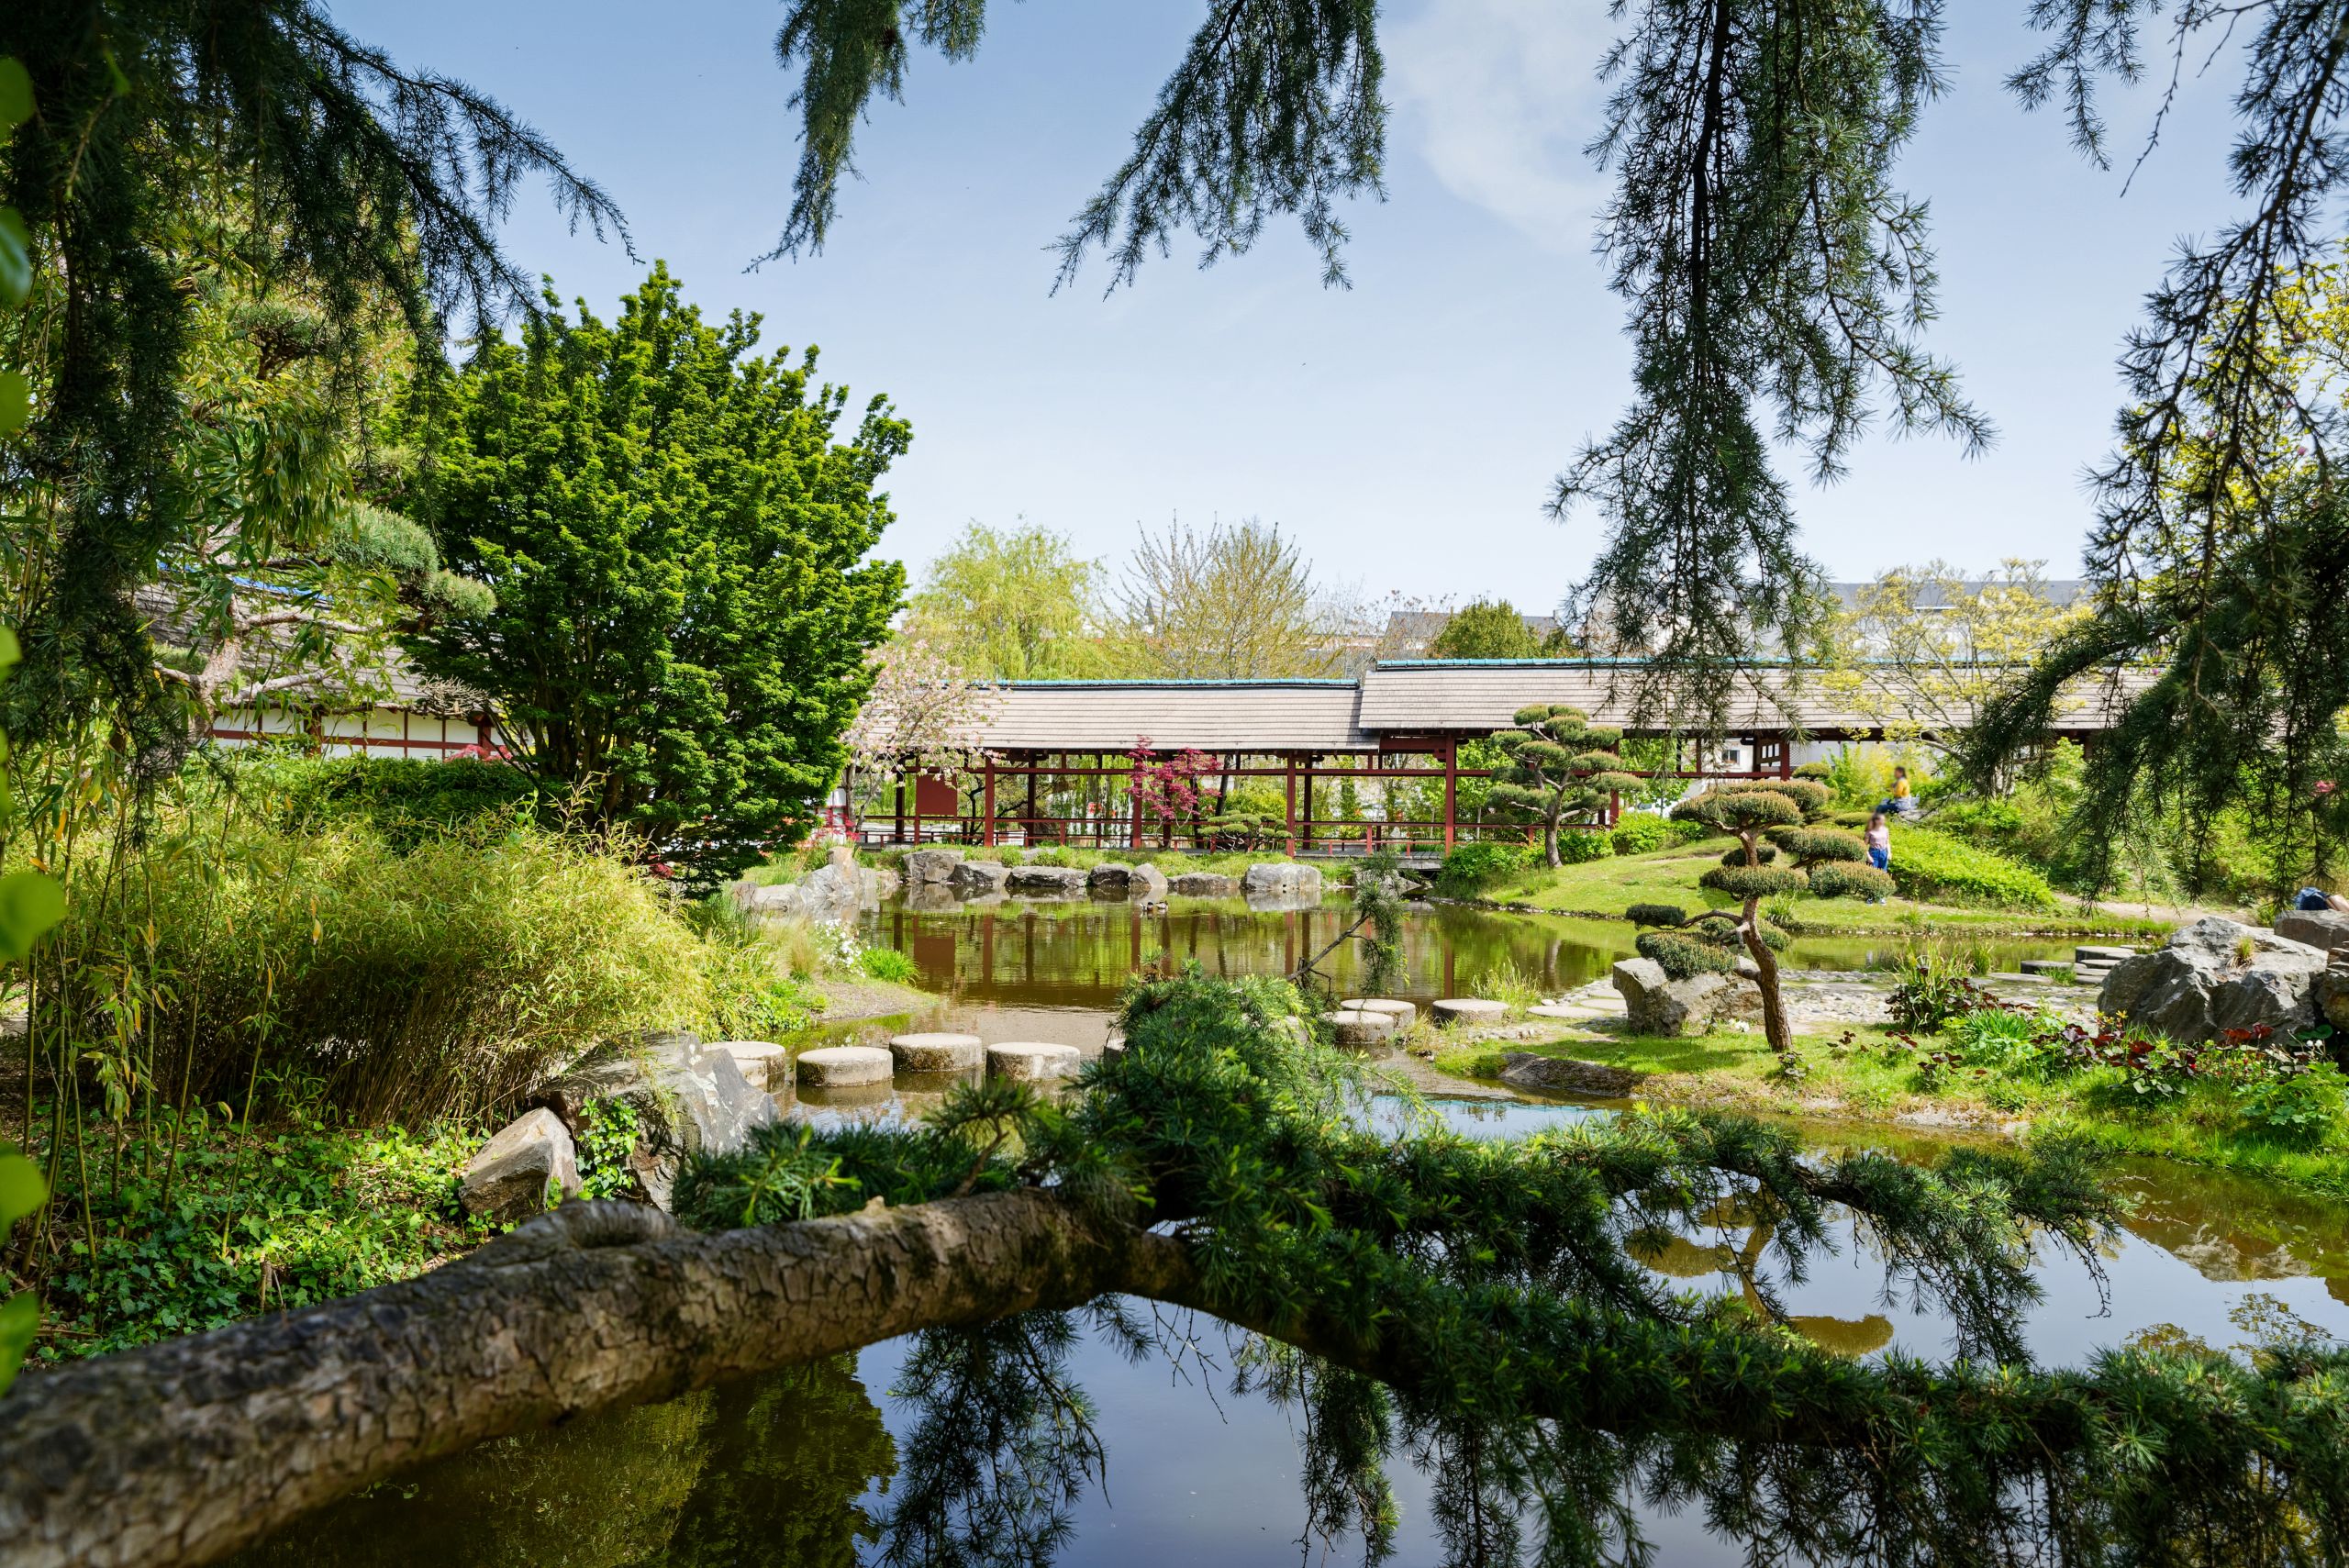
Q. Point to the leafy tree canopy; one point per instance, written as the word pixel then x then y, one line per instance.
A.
pixel 677 536
pixel 1013 605
pixel 1489 629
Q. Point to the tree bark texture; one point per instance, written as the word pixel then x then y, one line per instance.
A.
pixel 1774 1006
pixel 183 1452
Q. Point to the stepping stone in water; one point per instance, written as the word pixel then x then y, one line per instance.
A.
pixel 1468 1010
pixel 2043 966
pixel 1569 1012
pixel 1033 1060
pixel 1354 1027
pixel 838 1066
pixel 2103 955
pixel 764 1064
pixel 1405 1013
pixel 938 1052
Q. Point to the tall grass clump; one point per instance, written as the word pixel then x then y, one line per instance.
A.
pixel 441 980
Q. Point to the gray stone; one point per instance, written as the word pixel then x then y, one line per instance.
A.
pixel 1406 1013
pixel 831 894
pixel 1564 1075
pixel 843 1066
pixel 1110 881
pixel 717 1105
pixel 766 1065
pixel 1468 1010
pixel 978 876
pixel 1145 883
pixel 938 1052
pixel 2095 955
pixel 2200 981
pixel 1655 1004
pixel 2327 929
pixel 1282 879
pixel 1350 1026
pixel 508 1180
pixel 930 866
pixel 1203 884
pixel 2044 966
pixel 2329 996
pixel 1033 1060
pixel 1062 881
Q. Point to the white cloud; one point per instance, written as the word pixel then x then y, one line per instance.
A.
pixel 1504 94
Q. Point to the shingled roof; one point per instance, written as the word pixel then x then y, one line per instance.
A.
pixel 1410 697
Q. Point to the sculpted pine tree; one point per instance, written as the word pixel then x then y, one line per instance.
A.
pixel 1559 767
pixel 1769 818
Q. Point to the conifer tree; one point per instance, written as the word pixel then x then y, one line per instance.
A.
pixel 1559 766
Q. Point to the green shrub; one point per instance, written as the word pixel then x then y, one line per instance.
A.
pixel 1811 845
pixel 1640 832
pixel 1763 855
pixel 1580 846
pixel 1754 882
pixel 888 964
pixel 1470 868
pixel 449 978
pixel 1682 954
pixel 1842 879
pixel 1930 865
pixel 405 800
pixel 1655 914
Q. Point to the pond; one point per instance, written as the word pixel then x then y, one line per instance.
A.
pixel 944 1448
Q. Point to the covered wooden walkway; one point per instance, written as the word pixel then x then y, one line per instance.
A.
pixel 1058 761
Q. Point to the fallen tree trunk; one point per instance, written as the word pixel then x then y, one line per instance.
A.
pixel 183 1452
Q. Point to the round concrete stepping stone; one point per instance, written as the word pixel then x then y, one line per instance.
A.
pixel 2091 955
pixel 938 1052
pixel 765 1064
pixel 838 1066
pixel 1033 1060
pixel 1406 1013
pixel 1566 1012
pixel 1469 1010
pixel 1353 1027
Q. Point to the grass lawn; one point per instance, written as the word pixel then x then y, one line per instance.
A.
pixel 1865 1075
pixel 1608 887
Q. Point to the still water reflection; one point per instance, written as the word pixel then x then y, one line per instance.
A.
pixel 948 1449
pixel 962 1449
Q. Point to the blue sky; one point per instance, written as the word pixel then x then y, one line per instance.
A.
pixel 1406 429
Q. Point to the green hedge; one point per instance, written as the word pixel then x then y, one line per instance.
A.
pixel 1939 869
pixel 406 800
pixel 1470 868
pixel 1579 846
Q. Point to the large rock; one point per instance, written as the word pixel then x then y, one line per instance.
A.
pixel 765 1064
pixel 1109 880
pixel 1203 884
pixel 970 877
pixel 1053 882
pixel 1655 1004
pixel 1566 1076
pixel 2213 975
pixel 687 1097
pixel 1282 879
pixel 1145 883
pixel 925 866
pixel 2324 928
pixel 508 1180
pixel 832 894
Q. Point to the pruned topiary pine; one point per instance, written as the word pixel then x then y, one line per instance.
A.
pixel 1771 817
pixel 1560 766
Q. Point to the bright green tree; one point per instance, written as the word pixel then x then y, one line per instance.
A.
pixel 678 540
pixel 1766 818
pixel 1559 765
pixel 1489 629
pixel 1012 605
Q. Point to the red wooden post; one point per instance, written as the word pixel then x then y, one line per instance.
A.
pixel 1785 756
pixel 1451 789
pixel 1289 813
pixel 986 825
pixel 1133 798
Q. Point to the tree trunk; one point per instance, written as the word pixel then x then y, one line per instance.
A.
pixel 185 1451
pixel 1773 1010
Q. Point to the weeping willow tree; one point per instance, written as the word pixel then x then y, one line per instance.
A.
pixel 1779 283
pixel 1484 1294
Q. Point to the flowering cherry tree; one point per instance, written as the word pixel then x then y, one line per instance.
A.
pixel 924 715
